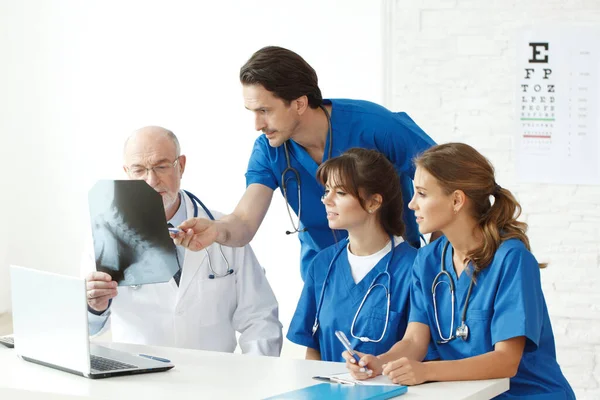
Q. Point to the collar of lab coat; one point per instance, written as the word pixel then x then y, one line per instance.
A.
pixel 192 260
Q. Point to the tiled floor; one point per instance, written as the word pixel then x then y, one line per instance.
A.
pixel 5 324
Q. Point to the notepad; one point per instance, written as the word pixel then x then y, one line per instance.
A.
pixel 346 392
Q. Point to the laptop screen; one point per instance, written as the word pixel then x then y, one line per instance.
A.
pixel 50 318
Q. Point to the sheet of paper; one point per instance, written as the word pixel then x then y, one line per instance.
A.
pixel 379 380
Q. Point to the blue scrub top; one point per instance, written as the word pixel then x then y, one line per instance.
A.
pixel 506 302
pixel 354 123
pixel 343 297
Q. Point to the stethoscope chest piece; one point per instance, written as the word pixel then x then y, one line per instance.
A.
pixel 462 331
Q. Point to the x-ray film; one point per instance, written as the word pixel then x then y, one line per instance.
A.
pixel 131 237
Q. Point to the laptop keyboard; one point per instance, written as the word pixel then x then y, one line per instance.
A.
pixel 8 341
pixel 105 364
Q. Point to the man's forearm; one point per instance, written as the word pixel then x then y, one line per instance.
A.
pixel 233 231
pixel 238 228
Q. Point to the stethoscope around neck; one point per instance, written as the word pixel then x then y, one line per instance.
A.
pixel 371 287
pixel 213 274
pixel 195 202
pixel 462 331
pixel 296 176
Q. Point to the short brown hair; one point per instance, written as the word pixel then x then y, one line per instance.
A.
pixel 283 73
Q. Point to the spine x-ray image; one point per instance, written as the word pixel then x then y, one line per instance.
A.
pixel 131 238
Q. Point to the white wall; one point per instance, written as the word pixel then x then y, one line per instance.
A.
pixel 77 76
pixel 454 71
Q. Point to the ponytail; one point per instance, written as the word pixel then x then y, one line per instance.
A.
pixel 498 224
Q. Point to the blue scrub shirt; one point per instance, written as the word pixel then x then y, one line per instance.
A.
pixel 342 298
pixel 506 302
pixel 354 123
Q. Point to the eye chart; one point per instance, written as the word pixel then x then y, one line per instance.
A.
pixel 557 105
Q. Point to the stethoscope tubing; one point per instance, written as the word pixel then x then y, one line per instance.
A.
pixel 290 169
pixel 371 286
pixel 463 330
pixel 195 202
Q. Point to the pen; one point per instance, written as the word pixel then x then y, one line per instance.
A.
pixel 346 343
pixel 155 358
pixel 345 381
pixel 335 379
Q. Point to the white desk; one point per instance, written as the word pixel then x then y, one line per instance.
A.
pixel 202 375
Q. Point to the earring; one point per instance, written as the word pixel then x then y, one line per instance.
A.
pixel 370 211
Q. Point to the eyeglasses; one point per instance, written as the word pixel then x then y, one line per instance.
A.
pixel 139 172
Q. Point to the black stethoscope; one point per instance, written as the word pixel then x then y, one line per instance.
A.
pixel 195 202
pixel 296 176
pixel 373 285
pixel 463 330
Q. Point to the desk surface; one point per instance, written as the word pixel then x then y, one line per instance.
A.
pixel 202 374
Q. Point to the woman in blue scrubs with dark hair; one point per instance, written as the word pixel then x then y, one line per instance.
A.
pixel 476 294
pixel 361 285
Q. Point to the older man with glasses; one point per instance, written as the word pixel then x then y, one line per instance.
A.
pixel 200 307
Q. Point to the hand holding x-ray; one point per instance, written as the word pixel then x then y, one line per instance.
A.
pixel 100 288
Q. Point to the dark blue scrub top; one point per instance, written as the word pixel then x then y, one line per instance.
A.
pixel 343 297
pixel 506 302
pixel 355 123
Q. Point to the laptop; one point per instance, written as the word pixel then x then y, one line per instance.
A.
pixel 50 327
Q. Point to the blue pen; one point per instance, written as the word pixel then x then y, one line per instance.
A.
pixel 155 358
pixel 346 343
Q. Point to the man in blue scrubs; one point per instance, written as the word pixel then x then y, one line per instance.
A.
pixel 301 130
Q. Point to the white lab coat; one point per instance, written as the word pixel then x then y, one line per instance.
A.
pixel 201 313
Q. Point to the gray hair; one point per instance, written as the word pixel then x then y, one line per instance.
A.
pixel 175 141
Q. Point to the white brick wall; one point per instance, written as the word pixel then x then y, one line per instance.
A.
pixel 453 71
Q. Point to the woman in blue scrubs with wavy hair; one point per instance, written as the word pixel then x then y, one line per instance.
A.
pixel 476 294
pixel 361 285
